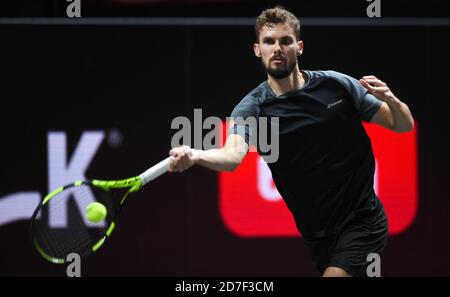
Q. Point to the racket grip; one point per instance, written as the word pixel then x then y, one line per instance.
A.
pixel 155 171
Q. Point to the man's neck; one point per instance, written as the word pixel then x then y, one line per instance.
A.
pixel 294 81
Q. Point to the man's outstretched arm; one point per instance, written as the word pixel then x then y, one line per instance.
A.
pixel 393 113
pixel 227 158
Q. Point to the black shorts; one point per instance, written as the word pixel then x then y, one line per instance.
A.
pixel 365 232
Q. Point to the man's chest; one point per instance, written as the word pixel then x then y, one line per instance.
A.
pixel 316 110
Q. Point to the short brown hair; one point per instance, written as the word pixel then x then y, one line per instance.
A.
pixel 277 15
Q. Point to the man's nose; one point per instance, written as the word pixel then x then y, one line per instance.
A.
pixel 277 47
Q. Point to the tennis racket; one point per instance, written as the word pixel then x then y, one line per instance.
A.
pixel 59 225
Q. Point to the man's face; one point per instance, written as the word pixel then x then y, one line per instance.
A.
pixel 278 49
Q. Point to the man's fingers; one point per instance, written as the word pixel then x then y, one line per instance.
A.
pixel 374 82
pixel 376 87
pixel 363 81
pixel 366 84
pixel 379 90
pixel 184 163
pixel 171 165
pixel 173 152
pixel 179 162
pixel 369 77
pixel 181 159
pixel 173 162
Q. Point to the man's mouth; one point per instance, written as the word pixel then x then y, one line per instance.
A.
pixel 278 59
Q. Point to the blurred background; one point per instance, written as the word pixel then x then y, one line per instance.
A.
pixel 108 85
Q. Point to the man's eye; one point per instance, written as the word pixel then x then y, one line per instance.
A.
pixel 286 41
pixel 268 41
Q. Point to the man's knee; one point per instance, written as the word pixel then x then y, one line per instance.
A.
pixel 335 272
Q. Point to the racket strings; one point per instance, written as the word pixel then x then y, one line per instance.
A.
pixel 63 228
pixel 60 246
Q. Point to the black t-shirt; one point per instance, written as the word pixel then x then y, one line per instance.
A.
pixel 325 167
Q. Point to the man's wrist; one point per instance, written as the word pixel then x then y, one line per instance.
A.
pixel 195 157
pixel 393 101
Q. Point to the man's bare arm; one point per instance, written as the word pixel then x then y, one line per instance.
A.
pixel 223 159
pixel 393 114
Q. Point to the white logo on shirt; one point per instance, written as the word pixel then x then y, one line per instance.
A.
pixel 334 103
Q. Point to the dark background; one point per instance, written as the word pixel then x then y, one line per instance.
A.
pixel 223 8
pixel 136 79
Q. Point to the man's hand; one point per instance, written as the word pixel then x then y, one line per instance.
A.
pixel 226 158
pixel 393 113
pixel 377 88
pixel 183 158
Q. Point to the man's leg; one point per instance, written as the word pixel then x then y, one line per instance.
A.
pixel 367 233
pixel 335 272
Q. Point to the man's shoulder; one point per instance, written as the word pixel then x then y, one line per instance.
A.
pixel 260 92
pixel 332 74
pixel 249 105
pixel 343 79
pixel 257 95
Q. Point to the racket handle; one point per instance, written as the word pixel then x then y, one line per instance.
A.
pixel 155 171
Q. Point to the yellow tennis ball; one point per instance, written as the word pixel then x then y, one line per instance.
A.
pixel 96 212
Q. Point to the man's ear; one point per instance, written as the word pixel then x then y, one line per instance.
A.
pixel 257 50
pixel 300 47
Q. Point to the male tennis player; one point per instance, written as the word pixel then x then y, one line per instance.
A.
pixel 325 168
